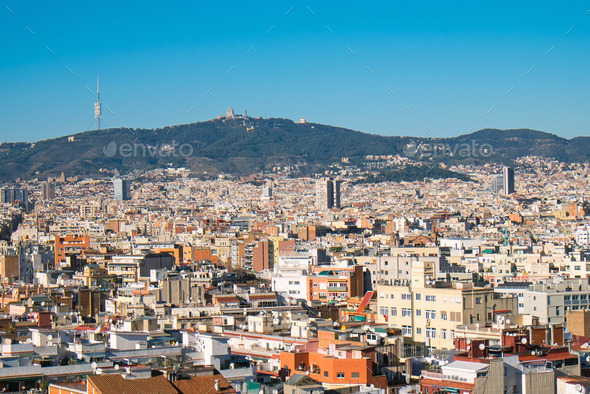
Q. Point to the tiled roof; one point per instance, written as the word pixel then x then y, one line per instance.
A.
pixel 204 385
pixel 116 384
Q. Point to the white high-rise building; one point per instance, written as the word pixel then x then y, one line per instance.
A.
pixel 327 194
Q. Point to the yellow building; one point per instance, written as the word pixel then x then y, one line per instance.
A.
pixel 428 312
pixel 93 275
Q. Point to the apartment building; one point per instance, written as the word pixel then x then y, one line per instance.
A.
pixel 386 270
pixel 340 366
pixel 331 283
pixel 428 312
pixel 490 375
pixel 550 299
pixel 70 244
pixel 132 268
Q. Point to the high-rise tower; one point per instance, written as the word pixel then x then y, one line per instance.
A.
pixel 97 110
pixel 122 189
pixel 327 194
pixel 508 178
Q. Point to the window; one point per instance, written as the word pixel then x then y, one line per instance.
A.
pixel 418 312
pixel 443 315
pixel 407 331
pixel 478 300
pixel 383 310
pixel 431 298
pixel 452 335
pixel 430 332
pixel 340 375
pixel 393 311
pixel 407 297
pixel 325 374
pixel 418 296
pixel 418 330
pixel 406 312
pixel 355 375
pixel 443 334
pixel 431 314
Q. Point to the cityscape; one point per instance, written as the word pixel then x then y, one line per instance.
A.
pixel 243 252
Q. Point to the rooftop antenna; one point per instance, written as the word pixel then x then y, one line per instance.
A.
pixel 97 111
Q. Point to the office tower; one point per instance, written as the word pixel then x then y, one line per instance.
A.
pixel 6 196
pixel 336 186
pixel 122 189
pixel 327 194
pixel 497 183
pixel 11 196
pixel 508 178
pixel 47 191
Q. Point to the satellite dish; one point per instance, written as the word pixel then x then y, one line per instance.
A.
pixel 524 341
pixel 49 343
pixel 532 353
pixel 580 388
pixel 468 341
pixel 468 347
pixel 507 321
pixel 49 337
pixel 117 367
pixel 482 346
pixel 94 365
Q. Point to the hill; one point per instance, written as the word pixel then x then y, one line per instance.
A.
pixel 245 145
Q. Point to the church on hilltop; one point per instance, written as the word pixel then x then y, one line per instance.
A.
pixel 229 114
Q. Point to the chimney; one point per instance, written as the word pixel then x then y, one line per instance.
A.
pixel 217 385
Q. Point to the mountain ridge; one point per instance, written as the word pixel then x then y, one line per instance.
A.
pixel 245 145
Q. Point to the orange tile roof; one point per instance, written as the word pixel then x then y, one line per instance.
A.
pixel 116 384
pixel 204 385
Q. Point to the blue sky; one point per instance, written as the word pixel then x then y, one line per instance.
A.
pixel 401 68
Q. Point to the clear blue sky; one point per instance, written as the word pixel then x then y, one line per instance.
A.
pixel 447 63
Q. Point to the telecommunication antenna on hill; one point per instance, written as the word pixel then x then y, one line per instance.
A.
pixel 97 110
